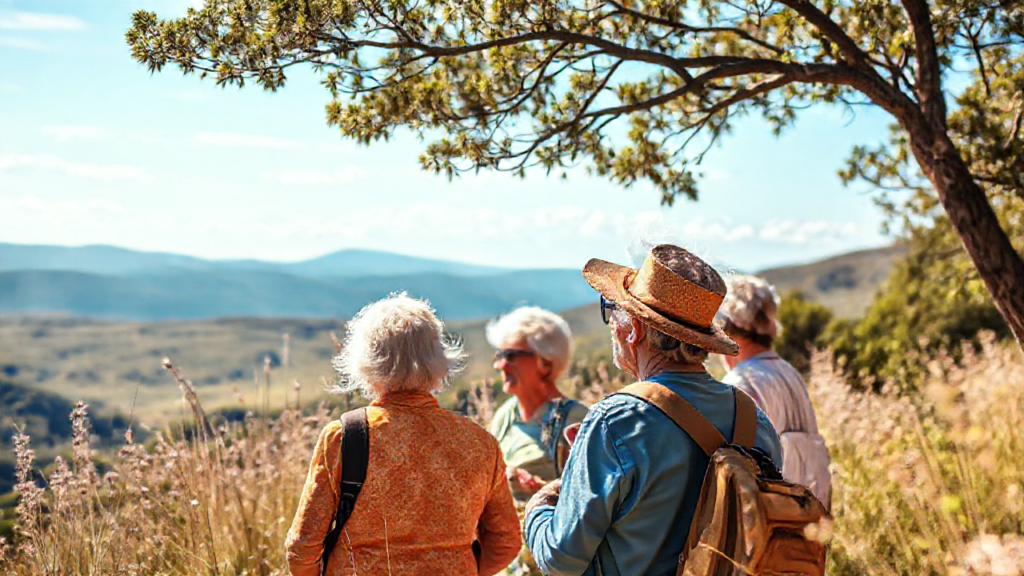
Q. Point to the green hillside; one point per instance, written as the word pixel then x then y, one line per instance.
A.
pixel 844 283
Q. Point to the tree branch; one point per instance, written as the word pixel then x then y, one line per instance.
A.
pixel 849 49
pixel 929 75
pixel 687 28
pixel 677 65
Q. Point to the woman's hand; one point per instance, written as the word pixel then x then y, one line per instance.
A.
pixel 547 495
pixel 528 482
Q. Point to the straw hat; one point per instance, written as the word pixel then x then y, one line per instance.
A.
pixel 674 292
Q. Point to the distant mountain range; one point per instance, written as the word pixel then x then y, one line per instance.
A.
pixel 116 283
pixel 99 259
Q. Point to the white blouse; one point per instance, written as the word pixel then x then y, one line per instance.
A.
pixel 780 391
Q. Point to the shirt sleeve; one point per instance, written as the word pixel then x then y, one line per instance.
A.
pixel 318 505
pixel 564 538
pixel 751 382
pixel 768 439
pixel 499 531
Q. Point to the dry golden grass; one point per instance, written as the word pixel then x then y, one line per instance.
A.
pixel 930 484
pixel 103 363
pixel 924 485
pixel 203 500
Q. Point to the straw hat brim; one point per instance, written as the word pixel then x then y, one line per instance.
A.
pixel 609 280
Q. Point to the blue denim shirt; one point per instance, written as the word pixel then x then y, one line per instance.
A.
pixel 631 484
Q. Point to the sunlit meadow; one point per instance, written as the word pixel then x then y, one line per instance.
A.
pixel 924 484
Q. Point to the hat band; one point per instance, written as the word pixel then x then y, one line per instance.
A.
pixel 670 294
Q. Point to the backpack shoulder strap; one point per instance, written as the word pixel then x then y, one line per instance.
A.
pixel 744 427
pixel 355 455
pixel 681 412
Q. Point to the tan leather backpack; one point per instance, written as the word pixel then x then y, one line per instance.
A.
pixel 746 522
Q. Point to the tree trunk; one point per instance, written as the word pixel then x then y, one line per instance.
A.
pixel 987 244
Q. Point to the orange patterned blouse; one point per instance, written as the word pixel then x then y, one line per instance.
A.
pixel 435 481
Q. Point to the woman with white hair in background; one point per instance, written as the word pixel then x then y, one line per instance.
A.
pixel 533 349
pixel 435 481
pixel 748 316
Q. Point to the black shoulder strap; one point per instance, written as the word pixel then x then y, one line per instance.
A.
pixel 355 454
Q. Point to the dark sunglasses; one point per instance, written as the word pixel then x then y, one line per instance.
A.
pixel 606 309
pixel 510 355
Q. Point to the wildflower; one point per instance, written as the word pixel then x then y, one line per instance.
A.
pixel 819 532
pixel 29 495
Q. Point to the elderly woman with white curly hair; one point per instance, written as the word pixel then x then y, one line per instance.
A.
pixel 748 316
pixel 435 499
pixel 533 349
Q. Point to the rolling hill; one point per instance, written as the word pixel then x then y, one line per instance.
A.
pixel 845 283
pixel 203 294
pixel 114 283
pixel 113 260
pixel 104 362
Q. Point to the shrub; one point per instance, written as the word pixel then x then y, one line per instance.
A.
pixel 803 324
pixel 918 313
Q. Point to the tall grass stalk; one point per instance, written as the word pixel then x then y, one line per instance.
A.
pixel 206 499
pixel 930 483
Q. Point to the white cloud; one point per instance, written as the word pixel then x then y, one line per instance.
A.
pixel 455 223
pixel 315 178
pixel 77 169
pixel 17 20
pixel 594 225
pixel 741 232
pixel 24 44
pixel 792 232
pixel 238 140
pixel 702 230
pixel 67 133
pixel 712 174
pixel 51 212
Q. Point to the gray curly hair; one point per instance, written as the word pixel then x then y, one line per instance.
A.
pixel 397 343
pixel 750 309
pixel 545 332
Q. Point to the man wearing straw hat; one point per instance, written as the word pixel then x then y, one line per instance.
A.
pixel 632 482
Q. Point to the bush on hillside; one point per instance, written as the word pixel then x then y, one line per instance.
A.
pixel 803 324
pixel 924 307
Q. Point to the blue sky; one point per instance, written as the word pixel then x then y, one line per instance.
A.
pixel 93 149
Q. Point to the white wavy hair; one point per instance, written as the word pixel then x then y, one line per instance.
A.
pixel 751 304
pixel 545 332
pixel 397 343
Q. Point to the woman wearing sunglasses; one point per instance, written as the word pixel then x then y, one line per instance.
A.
pixel 533 349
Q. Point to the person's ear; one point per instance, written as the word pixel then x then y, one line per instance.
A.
pixel 636 331
pixel 546 367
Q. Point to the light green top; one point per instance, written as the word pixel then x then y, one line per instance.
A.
pixel 526 446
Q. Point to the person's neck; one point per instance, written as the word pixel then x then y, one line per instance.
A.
pixel 531 401
pixel 750 349
pixel 650 365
